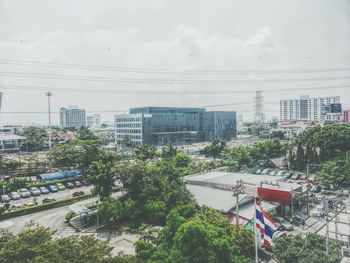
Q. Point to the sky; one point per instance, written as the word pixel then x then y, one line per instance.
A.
pixel 107 56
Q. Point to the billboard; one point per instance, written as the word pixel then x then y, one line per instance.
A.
pixel 336 108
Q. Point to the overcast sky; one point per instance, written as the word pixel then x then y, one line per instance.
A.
pixel 215 52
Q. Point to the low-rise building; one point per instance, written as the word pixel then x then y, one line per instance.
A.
pixel 11 142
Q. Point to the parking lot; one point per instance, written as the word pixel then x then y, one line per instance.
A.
pixel 63 194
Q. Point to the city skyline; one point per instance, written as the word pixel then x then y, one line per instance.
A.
pixel 105 60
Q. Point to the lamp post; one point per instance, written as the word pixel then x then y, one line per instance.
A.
pixel 49 94
pixel 98 202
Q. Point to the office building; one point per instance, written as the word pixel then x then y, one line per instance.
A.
pixel 346 116
pixel 94 121
pixel 322 109
pixel 72 117
pixel 171 125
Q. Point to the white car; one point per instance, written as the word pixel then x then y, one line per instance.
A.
pixel 14 196
pixel 319 211
pixel 24 193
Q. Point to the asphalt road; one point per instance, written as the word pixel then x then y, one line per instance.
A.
pixel 53 218
pixel 58 196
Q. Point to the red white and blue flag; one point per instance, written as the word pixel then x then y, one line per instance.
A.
pixel 265 224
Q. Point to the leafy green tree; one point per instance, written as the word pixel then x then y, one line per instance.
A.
pixel 169 152
pixel 145 152
pixel 333 140
pixel 311 249
pixel 127 142
pixel 77 154
pixel 182 160
pixel 85 134
pixel 187 237
pixel 102 174
pixel 333 173
pixel 38 245
pixel 35 138
pixel 214 149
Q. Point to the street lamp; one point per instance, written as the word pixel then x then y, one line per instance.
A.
pixel 49 94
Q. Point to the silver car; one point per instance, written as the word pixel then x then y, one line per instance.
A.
pixel 319 211
pixel 24 193
pixel 15 196
pixel 35 191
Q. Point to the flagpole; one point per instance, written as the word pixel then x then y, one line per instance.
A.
pixel 255 234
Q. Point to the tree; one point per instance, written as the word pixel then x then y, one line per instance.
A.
pixel 182 160
pixel 191 237
pixel 127 142
pixel 311 249
pixel 85 134
pixel 78 154
pixel 334 173
pixel 35 138
pixel 102 174
pixel 145 152
pixel 169 152
pixel 38 245
pixel 214 149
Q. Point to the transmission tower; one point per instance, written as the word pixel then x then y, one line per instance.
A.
pixel 259 105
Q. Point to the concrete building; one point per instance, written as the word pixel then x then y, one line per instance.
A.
pixel 346 116
pixel 11 142
pixel 322 109
pixel 171 125
pixel 94 121
pixel 72 117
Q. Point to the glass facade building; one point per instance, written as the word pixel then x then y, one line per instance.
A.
pixel 171 125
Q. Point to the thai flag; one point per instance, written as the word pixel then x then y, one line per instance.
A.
pixel 265 224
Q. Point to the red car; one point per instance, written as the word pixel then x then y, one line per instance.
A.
pixel 78 193
pixel 78 184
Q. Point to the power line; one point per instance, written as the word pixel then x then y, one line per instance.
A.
pixel 160 92
pixel 167 71
pixel 163 81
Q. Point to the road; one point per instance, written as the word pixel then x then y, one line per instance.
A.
pixel 58 196
pixel 53 218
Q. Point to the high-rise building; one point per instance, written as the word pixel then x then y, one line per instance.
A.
pixel 346 116
pixel 94 121
pixel 72 117
pixel 322 109
pixel 171 125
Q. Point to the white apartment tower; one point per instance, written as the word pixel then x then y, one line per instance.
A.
pixel 310 109
pixel 94 121
pixel 72 117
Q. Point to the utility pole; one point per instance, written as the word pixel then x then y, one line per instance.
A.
pixel 98 203
pixel 49 94
pixel 237 190
pixel 308 185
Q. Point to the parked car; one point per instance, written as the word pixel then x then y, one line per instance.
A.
pixel 14 196
pixel 35 191
pixel 70 185
pixel 78 184
pixel 296 176
pixel 48 200
pixel 316 188
pixel 52 188
pixel 343 193
pixel 258 171
pixel 5 198
pixel 78 193
pixel 284 225
pixel 44 190
pixel 24 193
pixel 319 211
pixel 27 205
pixel 16 206
pixel 281 173
pixel 265 171
pixel 60 186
